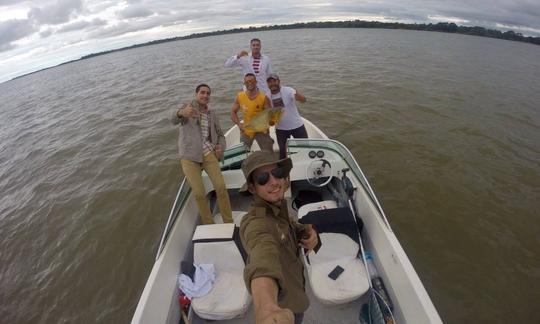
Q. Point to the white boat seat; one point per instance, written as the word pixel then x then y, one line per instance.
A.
pixel 237 216
pixel 340 247
pixel 325 204
pixel 219 244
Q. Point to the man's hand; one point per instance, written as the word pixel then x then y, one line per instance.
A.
pixel 277 316
pixel 309 238
pixel 241 128
pixel 299 97
pixel 242 53
pixel 189 111
pixel 219 151
pixel 267 311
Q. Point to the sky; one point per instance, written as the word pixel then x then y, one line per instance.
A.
pixel 39 34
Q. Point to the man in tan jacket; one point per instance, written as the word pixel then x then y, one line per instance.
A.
pixel 274 273
pixel 200 146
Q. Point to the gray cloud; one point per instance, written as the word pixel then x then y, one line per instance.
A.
pixel 136 11
pixel 175 17
pixel 46 33
pixel 138 25
pixel 7 2
pixel 57 13
pixel 82 25
pixel 486 13
pixel 97 6
pixel 12 30
pixel 120 29
pixel 6 47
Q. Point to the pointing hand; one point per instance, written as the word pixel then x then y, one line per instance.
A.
pixel 189 111
pixel 242 53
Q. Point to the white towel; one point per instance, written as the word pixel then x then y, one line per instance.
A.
pixel 204 278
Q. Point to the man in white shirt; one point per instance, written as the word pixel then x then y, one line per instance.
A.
pixel 290 124
pixel 256 63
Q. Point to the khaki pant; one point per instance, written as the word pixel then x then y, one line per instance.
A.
pixel 192 170
pixel 264 140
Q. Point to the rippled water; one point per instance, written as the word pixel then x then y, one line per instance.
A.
pixel 446 127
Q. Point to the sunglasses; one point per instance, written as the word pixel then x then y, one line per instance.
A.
pixel 263 178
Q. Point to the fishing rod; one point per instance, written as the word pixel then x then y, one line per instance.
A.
pixel 375 314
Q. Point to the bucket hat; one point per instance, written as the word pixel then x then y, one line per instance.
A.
pixel 259 159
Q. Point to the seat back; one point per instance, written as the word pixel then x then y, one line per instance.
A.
pixel 305 196
pixel 218 244
pixel 321 205
pixel 334 220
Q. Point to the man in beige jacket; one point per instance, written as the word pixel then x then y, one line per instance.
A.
pixel 200 146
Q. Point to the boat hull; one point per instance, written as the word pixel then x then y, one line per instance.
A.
pixel 158 301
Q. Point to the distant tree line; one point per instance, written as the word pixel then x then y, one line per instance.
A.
pixel 439 27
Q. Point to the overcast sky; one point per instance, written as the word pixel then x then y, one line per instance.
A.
pixel 39 34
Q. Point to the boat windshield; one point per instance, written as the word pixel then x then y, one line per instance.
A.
pixel 296 145
pixel 233 157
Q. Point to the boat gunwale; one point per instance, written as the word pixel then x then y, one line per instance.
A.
pixel 173 215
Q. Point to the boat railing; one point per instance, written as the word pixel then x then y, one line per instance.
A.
pixel 344 152
pixel 179 202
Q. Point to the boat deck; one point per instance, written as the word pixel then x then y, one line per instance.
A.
pixel 317 313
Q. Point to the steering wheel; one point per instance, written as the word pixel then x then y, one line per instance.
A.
pixel 319 173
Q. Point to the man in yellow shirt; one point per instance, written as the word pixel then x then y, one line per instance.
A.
pixel 252 102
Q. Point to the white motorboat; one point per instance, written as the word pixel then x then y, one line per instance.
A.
pixel 320 169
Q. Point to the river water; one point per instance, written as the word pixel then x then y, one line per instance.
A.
pixel 446 128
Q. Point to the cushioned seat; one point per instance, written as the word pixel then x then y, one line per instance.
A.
pixel 340 247
pixel 229 298
pixel 237 216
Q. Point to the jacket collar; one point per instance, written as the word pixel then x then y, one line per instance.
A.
pixel 276 210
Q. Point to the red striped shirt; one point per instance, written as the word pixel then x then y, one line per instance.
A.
pixel 256 64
